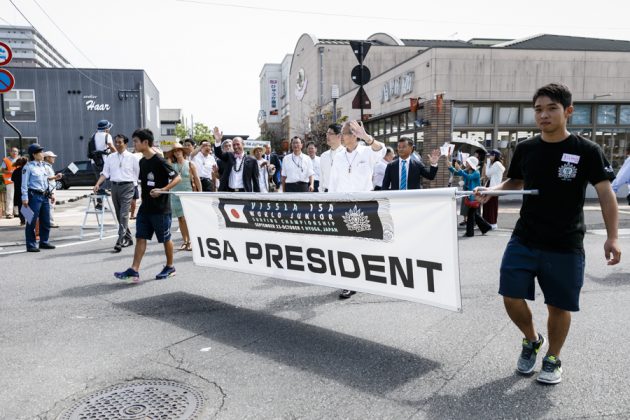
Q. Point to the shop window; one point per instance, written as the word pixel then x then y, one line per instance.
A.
pixel 381 127
pixel 10 142
pixel 411 117
pixel 606 114
pixel 19 105
pixel 508 115
pixel 460 115
pixel 528 116
pixel 403 122
pixel 395 124
pixel 481 115
pixel 388 125
pixel 624 114
pixel 581 114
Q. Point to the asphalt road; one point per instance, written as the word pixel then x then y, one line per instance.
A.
pixel 265 348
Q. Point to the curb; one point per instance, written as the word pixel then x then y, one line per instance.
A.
pixel 71 200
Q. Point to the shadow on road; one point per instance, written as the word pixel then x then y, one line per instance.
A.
pixel 362 364
pixel 612 279
pixel 494 400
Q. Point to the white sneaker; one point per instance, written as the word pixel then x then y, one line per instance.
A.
pixel 494 227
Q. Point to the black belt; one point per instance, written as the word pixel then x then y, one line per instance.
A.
pixel 207 179
pixel 40 192
pixel 122 182
pixel 236 189
pixel 298 183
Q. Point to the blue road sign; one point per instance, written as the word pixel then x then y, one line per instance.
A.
pixel 6 81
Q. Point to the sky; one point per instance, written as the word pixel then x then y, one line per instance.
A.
pixel 205 56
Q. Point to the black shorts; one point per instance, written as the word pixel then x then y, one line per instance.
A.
pixel 148 224
pixel 560 274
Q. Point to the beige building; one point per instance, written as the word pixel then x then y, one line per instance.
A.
pixel 481 89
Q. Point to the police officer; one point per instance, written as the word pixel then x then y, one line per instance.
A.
pixel 35 195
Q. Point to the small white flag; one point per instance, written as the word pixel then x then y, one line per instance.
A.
pixel 73 168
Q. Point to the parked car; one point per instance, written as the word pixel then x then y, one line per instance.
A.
pixel 85 176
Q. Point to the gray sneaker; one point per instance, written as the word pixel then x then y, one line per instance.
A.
pixel 551 372
pixel 527 359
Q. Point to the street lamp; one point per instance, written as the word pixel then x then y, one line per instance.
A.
pixel 335 95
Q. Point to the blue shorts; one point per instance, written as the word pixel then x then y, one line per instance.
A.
pixel 560 274
pixel 148 224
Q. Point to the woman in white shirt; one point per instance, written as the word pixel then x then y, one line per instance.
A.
pixel 493 171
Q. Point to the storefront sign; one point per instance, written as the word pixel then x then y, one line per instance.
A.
pixel 273 97
pixel 398 86
pixel 92 105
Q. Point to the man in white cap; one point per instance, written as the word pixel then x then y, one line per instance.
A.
pixel 49 161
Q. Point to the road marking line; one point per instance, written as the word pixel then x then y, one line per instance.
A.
pixel 63 245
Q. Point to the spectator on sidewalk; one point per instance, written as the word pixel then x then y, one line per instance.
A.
pixel 493 173
pixel 472 180
pixel 16 177
pixel 49 161
pixel 7 168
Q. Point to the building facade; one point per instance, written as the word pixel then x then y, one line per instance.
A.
pixel 59 108
pixel 30 48
pixel 169 118
pixel 481 89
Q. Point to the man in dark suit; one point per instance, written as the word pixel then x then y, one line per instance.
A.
pixel 240 171
pixel 405 172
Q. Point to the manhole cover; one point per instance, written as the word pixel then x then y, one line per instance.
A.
pixel 139 400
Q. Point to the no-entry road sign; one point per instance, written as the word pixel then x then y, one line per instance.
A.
pixel 5 54
pixel 7 81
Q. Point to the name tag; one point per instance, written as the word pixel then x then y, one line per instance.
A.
pixel 567 157
pixel 151 183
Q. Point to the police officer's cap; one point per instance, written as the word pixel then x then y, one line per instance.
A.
pixel 34 148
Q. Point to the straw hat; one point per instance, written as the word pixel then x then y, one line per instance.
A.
pixel 171 153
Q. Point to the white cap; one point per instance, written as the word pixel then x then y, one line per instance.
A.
pixel 49 153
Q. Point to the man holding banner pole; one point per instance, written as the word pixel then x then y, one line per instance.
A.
pixel 353 167
pixel 547 242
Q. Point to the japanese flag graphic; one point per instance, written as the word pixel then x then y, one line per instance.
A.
pixel 235 213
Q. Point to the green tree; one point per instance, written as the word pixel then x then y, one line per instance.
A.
pixel 202 132
pixel 181 132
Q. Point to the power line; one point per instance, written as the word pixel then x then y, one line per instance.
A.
pixel 69 62
pixel 394 19
pixel 63 33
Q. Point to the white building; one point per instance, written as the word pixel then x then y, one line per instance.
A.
pixel 30 48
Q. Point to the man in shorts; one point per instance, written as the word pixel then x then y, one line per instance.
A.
pixel 547 242
pixel 154 216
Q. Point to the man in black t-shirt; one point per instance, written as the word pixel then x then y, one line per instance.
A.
pixel 547 242
pixel 154 216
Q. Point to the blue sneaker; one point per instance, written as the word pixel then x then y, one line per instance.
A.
pixel 129 274
pixel 527 359
pixel 165 273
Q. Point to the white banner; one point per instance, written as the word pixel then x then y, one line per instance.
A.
pixel 400 244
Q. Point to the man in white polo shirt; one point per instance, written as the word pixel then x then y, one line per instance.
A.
pixel 123 170
pixel 333 139
pixel 297 169
pixel 353 167
pixel 205 164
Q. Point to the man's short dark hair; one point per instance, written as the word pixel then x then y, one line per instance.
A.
pixel 389 151
pixel 409 141
pixel 124 138
pixel 144 134
pixel 335 127
pixel 191 141
pixel 557 92
pixel 311 143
